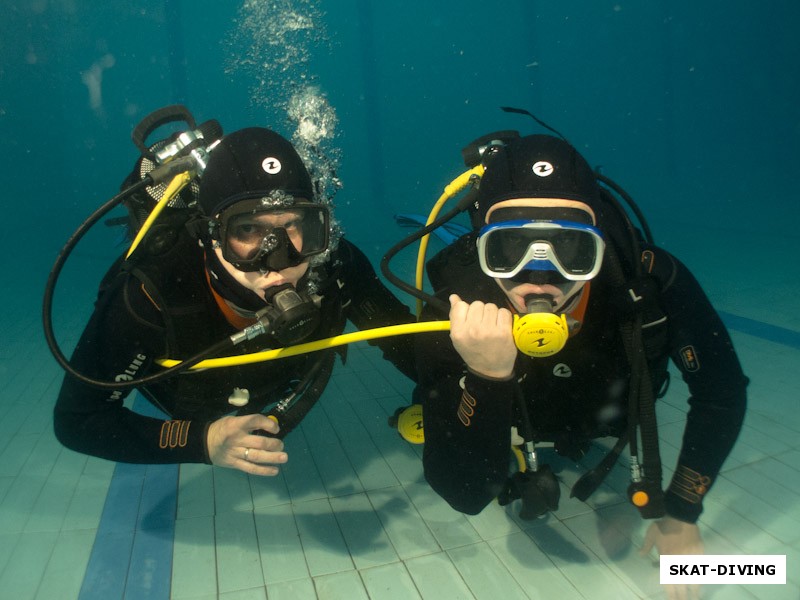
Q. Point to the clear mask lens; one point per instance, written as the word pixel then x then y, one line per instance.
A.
pixel 248 233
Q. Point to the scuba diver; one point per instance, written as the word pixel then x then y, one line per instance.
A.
pixel 563 319
pixel 256 253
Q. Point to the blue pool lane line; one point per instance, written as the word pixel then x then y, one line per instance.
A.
pixel 772 333
pixel 132 554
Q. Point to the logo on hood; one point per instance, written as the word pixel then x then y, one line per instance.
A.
pixel 542 168
pixel 271 165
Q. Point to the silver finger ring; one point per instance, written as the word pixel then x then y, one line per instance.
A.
pixel 246 453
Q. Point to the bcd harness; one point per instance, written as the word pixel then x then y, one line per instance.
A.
pixel 642 329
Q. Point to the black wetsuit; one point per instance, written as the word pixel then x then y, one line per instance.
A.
pixel 580 392
pixel 128 330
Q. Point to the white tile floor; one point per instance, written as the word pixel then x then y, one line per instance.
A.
pixel 351 517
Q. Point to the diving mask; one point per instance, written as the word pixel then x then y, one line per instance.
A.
pixel 574 250
pixel 259 234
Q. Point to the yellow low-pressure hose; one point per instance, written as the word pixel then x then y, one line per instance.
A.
pixel 173 189
pixel 332 342
pixel 520 459
pixel 453 188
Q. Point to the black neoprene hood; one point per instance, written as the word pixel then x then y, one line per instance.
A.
pixel 250 163
pixel 535 166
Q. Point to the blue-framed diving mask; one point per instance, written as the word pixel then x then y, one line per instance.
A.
pixel 573 250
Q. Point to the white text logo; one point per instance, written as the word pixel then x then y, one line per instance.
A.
pixel 723 568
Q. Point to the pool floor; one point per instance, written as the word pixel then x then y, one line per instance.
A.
pixel 350 516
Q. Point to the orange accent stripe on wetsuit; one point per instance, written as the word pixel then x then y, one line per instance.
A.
pixel 580 310
pixel 237 320
pixel 174 434
pixel 466 408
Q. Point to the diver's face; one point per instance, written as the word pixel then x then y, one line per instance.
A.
pixel 559 292
pixel 245 238
pixel 258 282
pixel 245 233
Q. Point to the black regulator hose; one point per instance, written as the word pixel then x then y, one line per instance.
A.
pixel 61 259
pixel 648 235
pixel 47 305
pixel 404 243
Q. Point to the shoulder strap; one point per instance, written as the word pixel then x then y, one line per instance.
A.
pixel 640 299
pixel 175 283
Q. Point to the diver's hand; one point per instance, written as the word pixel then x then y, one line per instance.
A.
pixel 481 334
pixel 671 536
pixel 232 444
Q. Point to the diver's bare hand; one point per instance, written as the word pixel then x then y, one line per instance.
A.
pixel 231 443
pixel 481 334
pixel 671 536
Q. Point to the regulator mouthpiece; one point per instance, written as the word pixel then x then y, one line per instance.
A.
pixel 536 303
pixel 540 333
pixel 289 317
pixel 292 316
